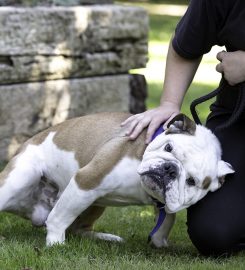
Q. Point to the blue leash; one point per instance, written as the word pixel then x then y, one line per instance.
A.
pixel 160 206
pixel 160 220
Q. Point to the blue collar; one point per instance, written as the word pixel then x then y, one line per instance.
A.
pixel 159 205
pixel 159 131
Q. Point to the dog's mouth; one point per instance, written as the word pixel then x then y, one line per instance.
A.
pixel 156 178
pixel 162 175
pixel 153 175
pixel 156 181
pixel 154 185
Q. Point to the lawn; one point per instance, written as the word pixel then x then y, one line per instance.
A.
pixel 23 247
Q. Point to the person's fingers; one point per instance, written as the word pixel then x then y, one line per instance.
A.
pixel 131 127
pixel 128 120
pixel 220 55
pixel 220 68
pixel 131 122
pixel 150 131
pixel 139 127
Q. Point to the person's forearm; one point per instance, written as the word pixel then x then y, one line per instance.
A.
pixel 179 74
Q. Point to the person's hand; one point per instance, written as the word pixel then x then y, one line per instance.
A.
pixel 151 119
pixel 232 65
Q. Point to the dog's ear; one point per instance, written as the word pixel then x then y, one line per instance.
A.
pixel 181 124
pixel 224 168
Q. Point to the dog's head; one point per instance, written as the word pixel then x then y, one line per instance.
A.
pixel 181 165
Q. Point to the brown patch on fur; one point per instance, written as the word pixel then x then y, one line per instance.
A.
pixel 91 175
pixel 206 183
pixel 107 144
pixel 94 130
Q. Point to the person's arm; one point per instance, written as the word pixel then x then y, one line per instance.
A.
pixel 179 74
pixel 232 65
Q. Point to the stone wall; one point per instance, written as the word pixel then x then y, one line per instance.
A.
pixel 61 62
pixel 52 2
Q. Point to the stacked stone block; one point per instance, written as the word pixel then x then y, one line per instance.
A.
pixel 59 62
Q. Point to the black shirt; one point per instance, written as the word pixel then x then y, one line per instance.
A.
pixel 210 22
pixel 213 22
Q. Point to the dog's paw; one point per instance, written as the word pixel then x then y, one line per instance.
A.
pixel 158 242
pixel 55 239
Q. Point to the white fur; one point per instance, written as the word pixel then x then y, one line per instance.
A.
pixel 58 165
pixel 197 156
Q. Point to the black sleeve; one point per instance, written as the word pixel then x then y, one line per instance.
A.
pixel 196 32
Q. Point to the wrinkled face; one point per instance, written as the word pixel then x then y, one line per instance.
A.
pixel 182 165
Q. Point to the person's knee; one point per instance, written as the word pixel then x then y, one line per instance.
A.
pixel 209 237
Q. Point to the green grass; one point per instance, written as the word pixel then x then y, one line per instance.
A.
pixel 23 246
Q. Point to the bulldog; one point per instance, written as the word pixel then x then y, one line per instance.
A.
pixel 65 176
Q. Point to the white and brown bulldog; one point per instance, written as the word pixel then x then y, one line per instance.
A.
pixel 66 175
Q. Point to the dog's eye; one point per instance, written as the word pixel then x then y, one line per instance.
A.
pixel 190 181
pixel 168 147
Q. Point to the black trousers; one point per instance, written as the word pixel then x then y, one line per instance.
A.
pixel 216 224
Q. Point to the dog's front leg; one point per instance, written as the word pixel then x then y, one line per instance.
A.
pixel 82 191
pixel 72 202
pixel 160 238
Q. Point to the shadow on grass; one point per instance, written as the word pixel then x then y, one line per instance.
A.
pixel 196 90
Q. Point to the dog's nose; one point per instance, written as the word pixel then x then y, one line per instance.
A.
pixel 169 169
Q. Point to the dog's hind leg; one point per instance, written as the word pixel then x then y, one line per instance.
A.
pixel 18 180
pixel 83 225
